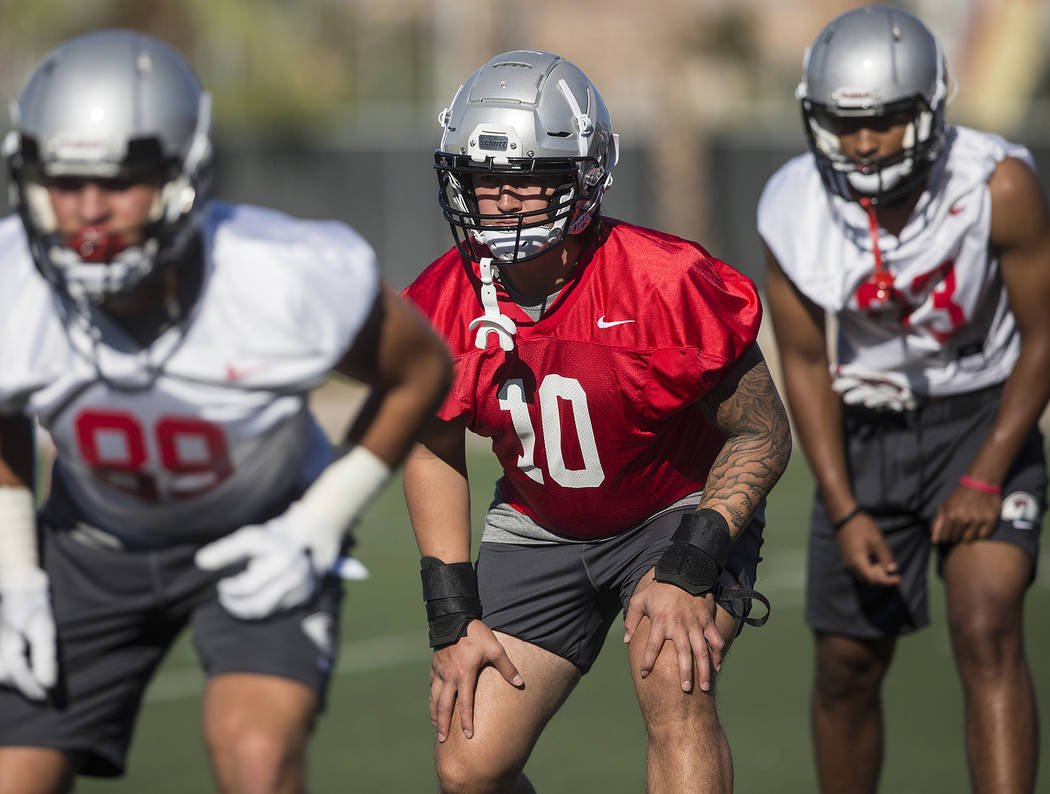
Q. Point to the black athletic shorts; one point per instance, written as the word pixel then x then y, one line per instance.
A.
pixel 564 597
pixel 118 612
pixel 902 467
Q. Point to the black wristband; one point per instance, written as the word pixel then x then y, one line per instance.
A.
pixel 698 552
pixel 451 595
pixel 837 525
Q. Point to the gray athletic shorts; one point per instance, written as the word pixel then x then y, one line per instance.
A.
pixel 118 612
pixel 564 597
pixel 902 467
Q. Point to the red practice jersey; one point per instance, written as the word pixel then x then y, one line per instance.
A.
pixel 590 413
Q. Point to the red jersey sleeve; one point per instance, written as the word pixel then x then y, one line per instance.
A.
pixel 719 312
pixel 700 315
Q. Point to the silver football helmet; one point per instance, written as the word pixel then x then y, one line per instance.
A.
pixel 111 104
pixel 524 113
pixel 876 61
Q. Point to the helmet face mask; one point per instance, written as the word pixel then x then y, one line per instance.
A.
pixel 117 108
pixel 874 67
pixel 524 117
pixel 882 179
pixel 510 237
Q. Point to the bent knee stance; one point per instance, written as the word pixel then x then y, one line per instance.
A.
pixel 466 773
pixel 687 748
pixel 249 759
pixel 849 671
pixel 686 722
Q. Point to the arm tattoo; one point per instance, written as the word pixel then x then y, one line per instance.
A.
pixel 746 408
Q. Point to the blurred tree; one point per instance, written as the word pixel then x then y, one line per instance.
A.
pixel 276 68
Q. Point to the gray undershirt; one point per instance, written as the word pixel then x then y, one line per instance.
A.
pixel 532 307
pixel 504 524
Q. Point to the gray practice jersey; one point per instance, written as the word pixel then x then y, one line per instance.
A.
pixel 946 326
pixel 196 434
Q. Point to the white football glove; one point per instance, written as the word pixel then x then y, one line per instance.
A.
pixel 289 555
pixel 27 633
pixel 886 391
pixel 287 558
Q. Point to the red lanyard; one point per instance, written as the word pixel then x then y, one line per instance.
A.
pixel 881 279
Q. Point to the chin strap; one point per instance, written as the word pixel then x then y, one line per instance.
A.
pixel 493 321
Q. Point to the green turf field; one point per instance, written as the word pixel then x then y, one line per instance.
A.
pixel 376 736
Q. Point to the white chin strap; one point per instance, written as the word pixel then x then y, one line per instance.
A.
pixel 493 321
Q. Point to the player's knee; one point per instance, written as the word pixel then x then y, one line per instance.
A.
pixel 985 645
pixel 848 674
pixel 675 718
pixel 251 760
pixel 460 773
pixel 684 731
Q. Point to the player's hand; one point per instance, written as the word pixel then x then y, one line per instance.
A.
pixel 687 621
pixel 28 659
pixel 965 516
pixel 286 559
pixel 454 673
pixel 865 552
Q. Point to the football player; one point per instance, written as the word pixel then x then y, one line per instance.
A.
pixel 168 343
pixel 615 370
pixel 930 244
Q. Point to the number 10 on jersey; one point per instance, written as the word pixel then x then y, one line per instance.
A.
pixel 551 390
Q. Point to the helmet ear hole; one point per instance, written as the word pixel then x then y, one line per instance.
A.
pixel 592 176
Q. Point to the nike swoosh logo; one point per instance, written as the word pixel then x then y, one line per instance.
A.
pixel 956 209
pixel 235 374
pixel 603 323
